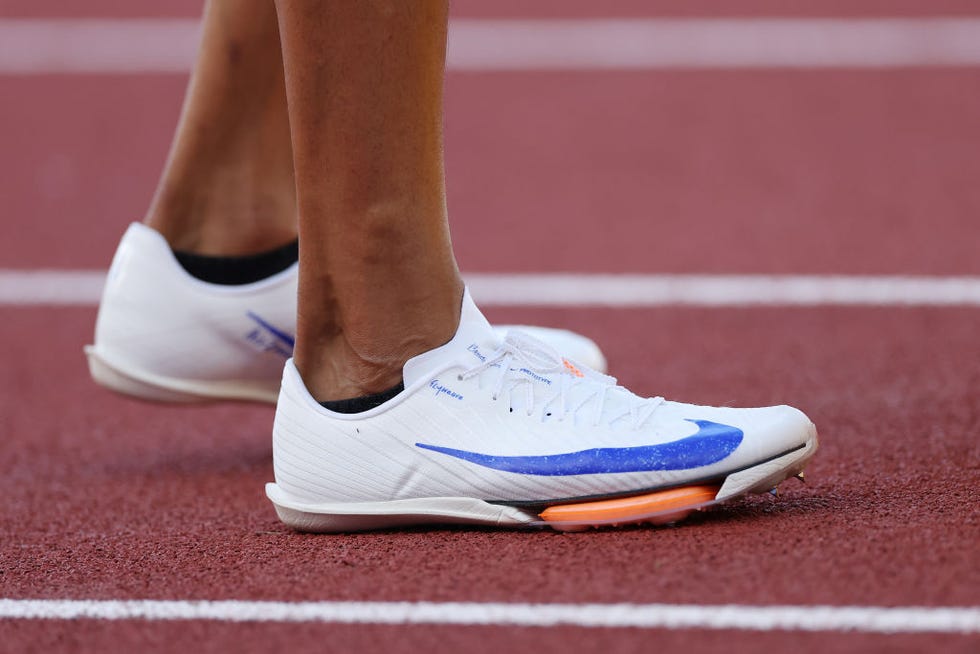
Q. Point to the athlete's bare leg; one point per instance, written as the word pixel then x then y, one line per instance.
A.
pixel 378 280
pixel 228 187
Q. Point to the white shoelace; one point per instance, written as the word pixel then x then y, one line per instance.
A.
pixel 523 361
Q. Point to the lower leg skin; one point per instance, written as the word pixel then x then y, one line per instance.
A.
pixel 378 282
pixel 228 188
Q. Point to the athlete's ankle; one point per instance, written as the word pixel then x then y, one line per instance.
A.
pixel 344 368
pixel 209 226
pixel 339 374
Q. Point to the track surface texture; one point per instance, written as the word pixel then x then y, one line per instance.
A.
pixel 816 172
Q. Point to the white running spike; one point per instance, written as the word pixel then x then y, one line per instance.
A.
pixel 487 428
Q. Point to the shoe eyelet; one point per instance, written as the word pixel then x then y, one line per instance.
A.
pixel 459 378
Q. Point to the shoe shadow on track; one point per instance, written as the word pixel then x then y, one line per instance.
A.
pixel 759 509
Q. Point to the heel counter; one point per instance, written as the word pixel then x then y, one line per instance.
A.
pixel 125 306
pixel 288 446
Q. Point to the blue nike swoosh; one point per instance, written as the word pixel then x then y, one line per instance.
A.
pixel 712 443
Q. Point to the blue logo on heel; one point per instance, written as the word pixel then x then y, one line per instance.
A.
pixel 267 338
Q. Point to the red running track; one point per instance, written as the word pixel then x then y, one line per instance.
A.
pixel 107 498
pixel 825 172
pixel 538 9
pixel 845 172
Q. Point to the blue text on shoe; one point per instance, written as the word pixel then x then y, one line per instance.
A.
pixel 268 338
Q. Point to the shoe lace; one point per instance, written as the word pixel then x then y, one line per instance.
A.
pixel 559 386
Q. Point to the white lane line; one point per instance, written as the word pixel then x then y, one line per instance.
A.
pixel 51 287
pixel 84 287
pixel 722 290
pixel 714 43
pixel 39 46
pixel 881 620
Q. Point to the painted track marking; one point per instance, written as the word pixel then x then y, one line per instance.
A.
pixel 882 620
pixel 39 46
pixel 721 290
pixel 84 287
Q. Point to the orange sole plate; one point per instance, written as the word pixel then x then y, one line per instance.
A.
pixel 662 507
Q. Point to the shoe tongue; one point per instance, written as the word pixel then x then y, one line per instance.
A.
pixel 474 340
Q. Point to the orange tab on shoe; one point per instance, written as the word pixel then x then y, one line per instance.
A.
pixel 661 507
pixel 571 367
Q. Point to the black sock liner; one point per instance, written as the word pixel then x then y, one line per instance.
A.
pixel 232 271
pixel 365 402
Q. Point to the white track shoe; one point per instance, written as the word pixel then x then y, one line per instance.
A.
pixel 164 335
pixel 507 432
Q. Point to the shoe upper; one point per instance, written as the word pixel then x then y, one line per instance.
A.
pixel 511 420
pixel 159 323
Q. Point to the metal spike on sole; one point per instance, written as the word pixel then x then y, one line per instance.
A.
pixel 800 476
pixel 774 491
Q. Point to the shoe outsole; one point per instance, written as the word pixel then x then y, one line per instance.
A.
pixel 155 388
pixel 659 507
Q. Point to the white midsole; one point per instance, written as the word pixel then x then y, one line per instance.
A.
pixel 359 516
